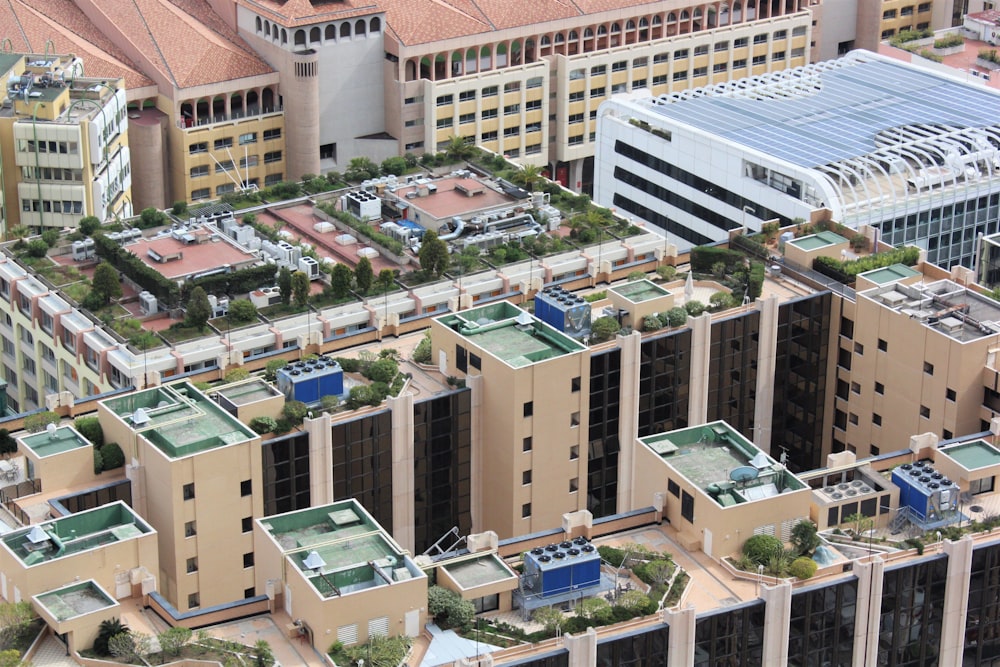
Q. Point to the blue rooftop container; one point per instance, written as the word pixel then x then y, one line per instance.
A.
pixel 309 381
pixel 924 490
pixel 562 568
pixel 563 311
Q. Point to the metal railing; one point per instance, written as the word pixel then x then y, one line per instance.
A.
pixel 202 121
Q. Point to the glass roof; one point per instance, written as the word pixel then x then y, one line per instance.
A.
pixel 827 112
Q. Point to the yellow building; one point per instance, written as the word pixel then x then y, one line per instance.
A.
pixel 65 143
pixel 196 477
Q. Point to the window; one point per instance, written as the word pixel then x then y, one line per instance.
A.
pixel 489 113
pixel 445 122
pixel 780 34
pixel 201 193
pixel 680 54
pixel 759 60
pixel 638 83
pixel 246 523
pixel 246 488
pixel 574 452
pixel 639 62
pixel 574 420
pixel 701 50
pixel 739 43
pixel 673 488
pixel 876 419
pixel 739 63
pixel 466 95
pixel 328 151
pixel 534 82
pixel 193 600
pixel 466 118
pixel 924 7
pixel 984 485
pixel 576 97
pixel 760 39
pixel 222 144
pixel 687 506
pixel 198 172
pixel 574 485
pixel 925 412
pixel 721 46
pixel 928 368
pixel 511 109
pixel 490 136
pixel 575 118
pixel 859 348
pixel 718 68
pixel 532 105
pixel 248 559
pixel 778 55
pixel 249 592
pixel 190 529
pixel 661 58
pixel 880 388
pixel 597 92
pixel 511 132
pixel 681 76
pixel 699 71
pixel 574 384
pixel 525 510
pixel 249 161
pixel 619 66
pixel 272 156
pixel 443 100
pixel 883 346
pixel 201 147
pixel 873 450
pixel 526 444
pixel 598 70
pixel 192 565
pixel 526 477
pixel 512 86
pixel 659 79
pixel 248 138
pixel 855 388
pixel 489 91
pixel 189 491
pixel 888 14
pixel 272 134
pixel 853 418
pixel 950 394
pixel 946 434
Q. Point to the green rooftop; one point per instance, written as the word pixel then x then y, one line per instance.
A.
pixel 8 60
pixel 54 441
pixel 339 548
pixel 72 534
pixel 510 334
pixel 479 571
pixel 75 600
pixel 973 455
pixel 639 291
pixel 179 420
pixel 718 460
pixel 889 274
pixel 248 392
pixel 818 240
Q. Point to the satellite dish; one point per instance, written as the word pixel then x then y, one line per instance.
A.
pixel 743 474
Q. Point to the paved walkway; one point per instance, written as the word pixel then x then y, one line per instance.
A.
pixel 52 653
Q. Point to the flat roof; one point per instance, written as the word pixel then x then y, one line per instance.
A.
pixel 510 334
pixel 69 535
pixel 717 459
pixel 339 546
pixel 818 240
pixel 479 571
pixel 945 306
pixel 179 420
pixel 639 291
pixel 889 274
pixel 252 391
pixel 194 258
pixel 454 195
pixel 55 441
pixel 77 599
pixel 972 455
pixel 7 61
pixel 831 111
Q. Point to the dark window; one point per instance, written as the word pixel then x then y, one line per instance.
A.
pixel 526 444
pixel 859 348
pixel 687 506
pixel 876 419
pixel 461 359
pixel 873 450
pixel 192 565
pixel 925 412
pixel 846 327
pixel 475 361
pixel 574 384
pixel 879 388
pixel 526 477
pixel 188 491
pixel 190 529
pixel 883 346
pixel 674 488
pixel 525 510
pixel 247 524
pixel 529 409
pixel 193 600
pixel 249 592
pixel 246 488
pixel 574 452
pixel 929 368
pixel 950 394
pixel 248 559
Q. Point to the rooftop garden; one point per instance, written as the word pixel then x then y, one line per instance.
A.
pixel 120 644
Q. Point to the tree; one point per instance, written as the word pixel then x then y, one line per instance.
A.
pixel 528 177
pixel 89 224
pixel 37 248
pixel 105 631
pixel 51 237
pixel 152 217
pixel 131 646
pixel 603 328
pixel 364 275
pixel 272 367
pixel 173 640
pixel 179 208
pixel 300 289
pixel 295 411
pixel 433 254
pixel 761 548
pixel 551 618
pixel 458 149
pixel 242 310
pixel 12 658
pixel 694 307
pixel 285 285
pixel 383 370
pixel 262 654
pixel 237 375
pixel 393 165
pixel 677 317
pixel 90 428
pixel 448 607
pixel 805 537
pixel 361 169
pixel 112 456
pixel 198 309
pixel 859 521
pixel 635 601
pixel 340 280
pixel 594 609
pixel 386 277
pixel 14 619
pixel 106 283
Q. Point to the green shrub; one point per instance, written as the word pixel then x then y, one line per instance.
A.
pixel 295 411
pixel 611 555
pixel 805 537
pixel 667 272
pixel 651 323
pixel 637 275
pixel 51 237
pixel 263 425
pixel 603 328
pixel 272 367
pixel 676 317
pixel 383 370
pixel 422 353
pixel 694 308
pixel 762 548
pixel 237 374
pixel 948 41
pixel 38 421
pixel 802 567
pixel 850 269
pixel 37 248
pixel 98 462
pixel 90 428
pixel 180 208
pixel 704 257
pixel 112 456
pixel 721 301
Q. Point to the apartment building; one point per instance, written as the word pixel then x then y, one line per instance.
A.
pixel 896 159
pixel 66 148
pixel 205 111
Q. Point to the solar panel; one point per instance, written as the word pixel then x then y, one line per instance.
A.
pixel 824 113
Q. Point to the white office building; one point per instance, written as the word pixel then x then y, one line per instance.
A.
pixel 913 153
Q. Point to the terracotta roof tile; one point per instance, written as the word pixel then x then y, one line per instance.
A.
pixel 30 24
pixel 294 13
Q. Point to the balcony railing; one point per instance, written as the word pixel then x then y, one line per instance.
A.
pixel 187 123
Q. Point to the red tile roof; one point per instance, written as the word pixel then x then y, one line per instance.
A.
pixel 989 16
pixel 32 24
pixel 294 13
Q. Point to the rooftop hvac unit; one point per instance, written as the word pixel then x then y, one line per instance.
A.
pixel 83 250
pixel 310 267
pixel 147 303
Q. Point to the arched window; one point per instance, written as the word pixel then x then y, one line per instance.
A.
pixel 267 28
pixel 615 27
pixel 685 16
pixel 602 30
pixel 300 38
pixel 375 25
pixel 544 41
pixel 360 27
pixel 559 38
pixel 573 36
pixel 697 12
pixel 658 21
pixel 260 26
pixel 588 33
pixel 345 30
pixel 630 25
pixel 643 22
pixel 330 34
pixel 315 35
pixel 284 36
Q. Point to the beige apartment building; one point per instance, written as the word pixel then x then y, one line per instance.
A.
pixel 65 143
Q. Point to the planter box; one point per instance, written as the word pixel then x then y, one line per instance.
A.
pixel 949 50
pixel 987 64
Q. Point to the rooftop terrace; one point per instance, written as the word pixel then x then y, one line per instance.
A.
pixel 179 420
pixel 479 571
pixel 818 240
pixel 75 600
pixel 724 464
pixel 944 306
pixel 54 441
pixel 640 290
pixel 510 334
pixel 339 548
pixel 75 533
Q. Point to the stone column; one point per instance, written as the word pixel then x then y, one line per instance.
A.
pixel 582 648
pixel 956 601
pixel 403 511
pixel 767 346
pixel 682 625
pixel 320 459
pixel 868 614
pixel 628 417
pixel 777 613
pixel 701 347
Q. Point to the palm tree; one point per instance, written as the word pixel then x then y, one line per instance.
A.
pixel 528 177
pixel 458 149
